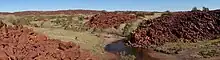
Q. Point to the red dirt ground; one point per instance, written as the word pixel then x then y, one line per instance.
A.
pixel 21 43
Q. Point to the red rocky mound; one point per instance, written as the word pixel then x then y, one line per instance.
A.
pixel 184 26
pixel 110 19
pixel 20 43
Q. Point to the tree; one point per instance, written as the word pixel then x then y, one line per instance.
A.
pixel 195 9
pixel 205 9
pixel 166 13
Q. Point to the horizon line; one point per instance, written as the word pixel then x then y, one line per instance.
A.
pixel 100 10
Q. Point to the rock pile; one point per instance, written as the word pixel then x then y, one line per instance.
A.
pixel 20 43
pixel 184 26
pixel 110 19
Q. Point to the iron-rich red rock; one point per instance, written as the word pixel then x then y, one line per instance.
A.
pixel 21 43
pixel 191 26
pixel 110 19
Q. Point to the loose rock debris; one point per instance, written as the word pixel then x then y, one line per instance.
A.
pixel 110 19
pixel 21 43
pixel 189 26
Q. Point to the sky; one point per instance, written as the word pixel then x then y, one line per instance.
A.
pixel 109 5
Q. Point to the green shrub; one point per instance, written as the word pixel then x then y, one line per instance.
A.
pixel 195 9
pixel 127 29
pixel 81 18
pixel 166 13
pixel 205 9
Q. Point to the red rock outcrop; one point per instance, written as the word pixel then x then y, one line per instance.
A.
pixel 189 26
pixel 21 43
pixel 110 19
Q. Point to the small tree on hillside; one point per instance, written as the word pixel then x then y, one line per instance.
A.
pixel 205 9
pixel 195 9
pixel 166 13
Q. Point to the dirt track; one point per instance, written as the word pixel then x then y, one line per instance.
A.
pixel 20 43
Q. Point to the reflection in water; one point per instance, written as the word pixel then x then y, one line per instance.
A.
pixel 117 47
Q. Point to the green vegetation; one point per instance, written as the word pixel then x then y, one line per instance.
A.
pixel 123 56
pixel 205 9
pixel 195 9
pixel 166 13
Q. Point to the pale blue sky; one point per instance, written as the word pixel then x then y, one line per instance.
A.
pixel 143 5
